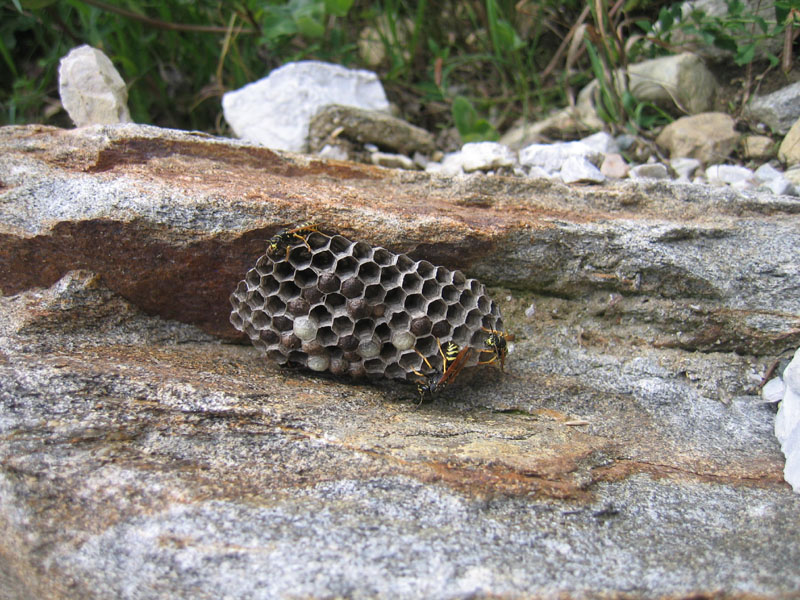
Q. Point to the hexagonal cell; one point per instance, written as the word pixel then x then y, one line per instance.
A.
pixel 388 353
pixel 328 282
pixel 414 303
pixel 358 308
pixel 399 321
pixel 361 251
pixel 317 240
pixel 430 289
pixel 255 300
pixel 411 283
pixel 443 276
pixel 252 279
pixel 364 328
pixel 390 275
pixel 484 305
pixel 323 260
pixel 298 307
pixel 288 290
pixel 327 336
pixel 374 366
pixel 343 326
pixel 374 293
pixel 455 313
pixel 282 323
pixel 244 312
pixel 313 295
pixel 441 329
pixel 346 266
pixel 290 341
pixel 268 284
pixel 383 332
pixel 339 245
pixel 236 320
pixel 382 257
pixel 409 361
pixel 467 299
pixel 353 287
pixel 420 326
pixel 450 294
pixel 395 297
pixel 473 319
pixel 299 257
pixel 369 272
pixel 321 314
pixel 260 319
pixel 306 278
pixel 425 269
pixel 404 264
pixel 283 271
pixel 459 279
pixel 394 371
pixel 274 305
pixel 427 347
pixel 436 309
pixel 277 356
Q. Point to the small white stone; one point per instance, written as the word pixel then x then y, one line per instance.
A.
pixel 684 166
pixel 304 328
pixel 578 169
pixel 551 157
pixel 403 340
pixel 774 180
pixel 318 362
pixel 601 142
pixel 91 89
pixel 334 152
pixel 773 390
pixel 484 156
pixel 649 171
pixel 530 311
pixel 392 161
pixel 730 174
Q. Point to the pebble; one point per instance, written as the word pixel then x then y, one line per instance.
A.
pixel 485 156
pixel 392 161
pixel 685 167
pixel 787 422
pixel 578 169
pixel 733 175
pixel 614 166
pixel 649 171
pixel 774 180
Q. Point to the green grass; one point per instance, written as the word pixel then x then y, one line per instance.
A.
pixel 477 65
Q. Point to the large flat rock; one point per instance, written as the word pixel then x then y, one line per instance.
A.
pixel 145 453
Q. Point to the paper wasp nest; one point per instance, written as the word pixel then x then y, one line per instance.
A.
pixel 351 309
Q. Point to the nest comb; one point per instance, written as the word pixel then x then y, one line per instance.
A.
pixel 327 303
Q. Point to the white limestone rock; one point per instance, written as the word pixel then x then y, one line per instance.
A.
pixel 91 89
pixel 276 110
pixel 485 156
pixel 733 175
pixel 551 157
pixel 577 169
pixel 684 167
pixel 774 180
pixel 787 422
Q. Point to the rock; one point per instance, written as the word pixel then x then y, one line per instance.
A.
pixel 601 142
pixel 140 449
pixel 787 422
pixel 789 151
pixel 551 157
pixel 684 167
pixel 778 110
pixel 774 180
pixel 485 156
pixel 649 171
pixel 758 147
pixel 678 83
pixel 92 90
pixel 708 137
pixel 335 152
pixel 793 175
pixel 734 175
pixel 577 169
pixel 276 111
pixel 614 166
pixel 392 161
pixel 365 127
pixel 562 124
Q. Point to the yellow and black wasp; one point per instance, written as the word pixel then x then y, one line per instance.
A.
pixel 497 345
pixel 453 360
pixel 284 239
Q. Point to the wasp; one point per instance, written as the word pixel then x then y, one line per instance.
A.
pixel 497 345
pixel 284 239
pixel 453 360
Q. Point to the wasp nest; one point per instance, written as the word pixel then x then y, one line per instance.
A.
pixel 331 304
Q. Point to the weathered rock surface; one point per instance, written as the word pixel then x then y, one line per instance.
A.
pixel 789 151
pixel 625 451
pixel 778 110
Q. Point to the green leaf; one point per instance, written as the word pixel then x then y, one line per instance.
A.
pixel 665 18
pixel 725 42
pixel 338 8
pixel 644 25
pixel 464 115
pixel 745 54
pixel 507 37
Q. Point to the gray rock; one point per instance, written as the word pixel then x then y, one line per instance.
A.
pixel 143 454
pixel 649 171
pixel 91 89
pixel 778 110
pixel 276 111
pixel 367 127
pixel 789 151
pixel 392 161
pixel 708 137
pixel 577 169
pixel 601 142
